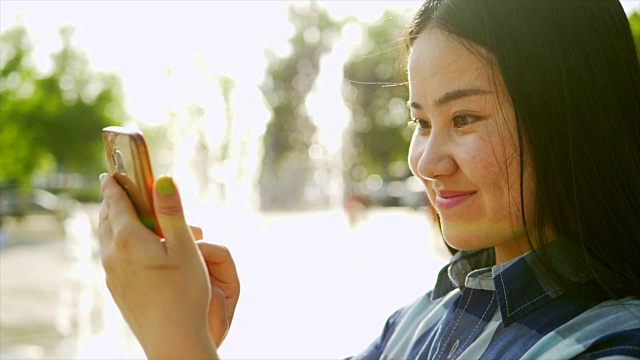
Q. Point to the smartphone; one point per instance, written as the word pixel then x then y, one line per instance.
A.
pixel 129 163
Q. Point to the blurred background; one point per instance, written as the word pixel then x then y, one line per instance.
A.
pixel 284 124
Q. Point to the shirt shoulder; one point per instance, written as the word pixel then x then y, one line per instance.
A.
pixel 619 344
pixel 608 330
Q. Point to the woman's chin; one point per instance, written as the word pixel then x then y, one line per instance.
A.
pixel 472 239
pixel 466 236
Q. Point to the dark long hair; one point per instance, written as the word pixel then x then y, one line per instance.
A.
pixel 571 70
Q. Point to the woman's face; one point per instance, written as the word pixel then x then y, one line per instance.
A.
pixel 465 147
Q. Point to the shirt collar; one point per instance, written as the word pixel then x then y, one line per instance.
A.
pixel 521 284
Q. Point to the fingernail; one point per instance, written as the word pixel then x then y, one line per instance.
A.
pixel 164 185
pixel 102 177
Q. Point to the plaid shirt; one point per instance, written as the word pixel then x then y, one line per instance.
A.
pixel 508 311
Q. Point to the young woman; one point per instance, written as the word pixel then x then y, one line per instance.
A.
pixel 527 119
pixel 527 140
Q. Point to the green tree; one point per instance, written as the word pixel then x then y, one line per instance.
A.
pixel 286 169
pixel 376 93
pixel 52 122
pixel 18 153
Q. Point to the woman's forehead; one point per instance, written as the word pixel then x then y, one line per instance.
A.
pixel 440 62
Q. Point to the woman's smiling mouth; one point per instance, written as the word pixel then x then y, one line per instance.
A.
pixel 448 198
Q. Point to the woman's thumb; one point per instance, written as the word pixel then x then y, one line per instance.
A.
pixel 169 211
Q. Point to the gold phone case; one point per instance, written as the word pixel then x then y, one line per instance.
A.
pixel 129 163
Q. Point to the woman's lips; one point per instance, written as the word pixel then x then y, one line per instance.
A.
pixel 448 198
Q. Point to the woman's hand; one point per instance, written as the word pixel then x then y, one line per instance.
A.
pixel 161 286
pixel 225 288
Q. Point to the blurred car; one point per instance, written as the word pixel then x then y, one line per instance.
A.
pixel 22 202
pixel 398 192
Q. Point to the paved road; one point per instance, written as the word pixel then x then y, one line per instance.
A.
pixel 53 301
pixel 314 285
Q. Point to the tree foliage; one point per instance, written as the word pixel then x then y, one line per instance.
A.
pixel 52 122
pixel 376 93
pixel 286 169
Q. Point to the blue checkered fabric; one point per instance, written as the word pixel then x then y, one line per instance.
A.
pixel 508 311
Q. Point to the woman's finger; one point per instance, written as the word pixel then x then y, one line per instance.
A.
pixel 122 230
pixel 218 325
pixel 104 227
pixel 169 211
pixel 219 258
pixel 222 272
pixel 105 235
pixel 196 232
pixel 121 212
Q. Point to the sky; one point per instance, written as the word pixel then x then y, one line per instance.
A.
pixel 166 53
pixel 169 55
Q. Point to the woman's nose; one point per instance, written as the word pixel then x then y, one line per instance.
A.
pixel 435 158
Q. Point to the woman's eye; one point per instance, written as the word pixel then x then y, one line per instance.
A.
pixel 420 124
pixel 463 120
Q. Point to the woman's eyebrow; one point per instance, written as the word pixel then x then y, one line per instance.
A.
pixel 451 96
